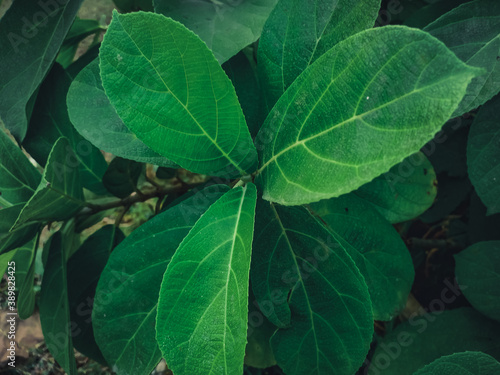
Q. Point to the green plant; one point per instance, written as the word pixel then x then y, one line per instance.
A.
pixel 266 233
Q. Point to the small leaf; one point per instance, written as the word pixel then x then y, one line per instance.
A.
pixel 84 269
pixel 478 267
pixel 404 192
pixel 377 249
pixel 50 121
pixel 172 94
pixel 28 52
pixel 202 330
pixel 18 177
pixel 225 26
pixel 124 331
pixel 59 195
pixel 423 339
pixel 54 306
pixel 96 120
pixel 472 31
pixel 362 107
pixel 308 285
pixel 121 177
pixel 466 363
pixel 297 32
pixel 483 155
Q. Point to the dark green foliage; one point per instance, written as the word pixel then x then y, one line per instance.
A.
pixel 233 186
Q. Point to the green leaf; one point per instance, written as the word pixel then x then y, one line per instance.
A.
pixel 96 120
pixel 375 246
pixel 472 31
pixel 226 26
pixel 362 107
pixel 478 267
pixel 404 192
pixel 421 340
pixel 18 177
pixel 466 363
pixel 242 73
pixel 258 352
pixel 121 177
pixel 11 239
pixel 54 306
pixel 80 29
pixel 297 32
pixel 50 121
pixel 24 257
pixel 156 73
pixel 124 331
pixel 483 155
pixel 307 284
pixel 429 13
pixel 59 195
pixel 202 330
pixel 31 36
pixel 84 269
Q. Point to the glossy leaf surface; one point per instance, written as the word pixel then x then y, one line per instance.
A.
pixel 32 33
pixel 472 31
pixel 170 91
pixel 226 26
pixel 59 195
pixel 308 285
pixel 202 316
pixel 96 120
pixel 404 192
pixel 297 32
pixel 125 331
pixel 362 107
pixel 376 248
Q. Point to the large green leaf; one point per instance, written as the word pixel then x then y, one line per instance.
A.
pixel 365 105
pixel 18 177
pixel 170 91
pixel 478 267
pixel 32 33
pixel 377 249
pixel 466 363
pixel 95 119
pixel 483 155
pixel 421 340
pixel 226 26
pixel 297 32
pixel 84 269
pixel 472 31
pixel 202 316
pixel 59 195
pixel 125 331
pixel 308 285
pixel 50 121
pixel 54 306
pixel 404 192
